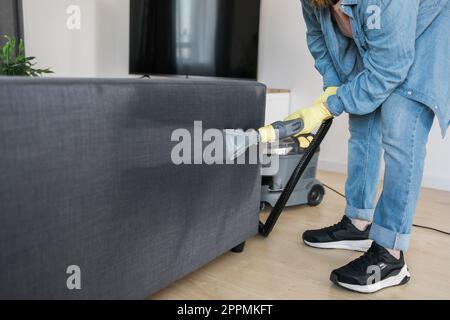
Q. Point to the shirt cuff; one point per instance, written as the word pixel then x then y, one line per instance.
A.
pixel 335 105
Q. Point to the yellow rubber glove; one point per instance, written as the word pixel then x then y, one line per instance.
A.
pixel 312 117
pixel 305 141
pixel 330 91
pixel 321 112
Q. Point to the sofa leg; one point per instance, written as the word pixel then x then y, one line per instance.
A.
pixel 239 248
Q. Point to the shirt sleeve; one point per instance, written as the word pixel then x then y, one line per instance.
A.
pixel 318 48
pixel 390 53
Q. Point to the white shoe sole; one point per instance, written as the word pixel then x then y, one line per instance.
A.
pixel 402 278
pixel 356 245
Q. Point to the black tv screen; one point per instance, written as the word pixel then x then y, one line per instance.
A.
pixel 217 38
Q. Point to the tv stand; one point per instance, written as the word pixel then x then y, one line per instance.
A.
pixel 148 76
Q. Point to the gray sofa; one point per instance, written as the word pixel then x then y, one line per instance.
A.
pixel 86 180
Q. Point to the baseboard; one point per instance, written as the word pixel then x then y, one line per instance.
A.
pixel 436 182
pixel 429 181
pixel 333 166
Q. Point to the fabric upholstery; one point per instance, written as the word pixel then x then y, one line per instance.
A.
pixel 86 179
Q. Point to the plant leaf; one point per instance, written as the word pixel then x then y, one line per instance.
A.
pixel 14 63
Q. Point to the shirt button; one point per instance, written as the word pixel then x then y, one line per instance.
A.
pixel 410 93
pixel 436 107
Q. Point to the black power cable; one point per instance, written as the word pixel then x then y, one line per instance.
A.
pixel 334 190
pixel 431 229
pixel 414 225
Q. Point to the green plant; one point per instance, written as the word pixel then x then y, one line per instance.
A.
pixel 13 61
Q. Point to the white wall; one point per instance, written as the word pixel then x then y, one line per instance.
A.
pixel 100 48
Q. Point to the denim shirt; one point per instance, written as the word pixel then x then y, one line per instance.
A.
pixel 400 46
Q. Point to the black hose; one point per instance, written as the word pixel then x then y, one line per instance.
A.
pixel 266 228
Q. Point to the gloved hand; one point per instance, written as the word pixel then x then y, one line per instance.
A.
pixel 330 91
pixel 312 117
pixel 305 140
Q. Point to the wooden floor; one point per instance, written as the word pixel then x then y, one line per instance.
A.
pixel 281 267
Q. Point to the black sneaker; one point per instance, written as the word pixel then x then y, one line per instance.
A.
pixel 343 235
pixel 375 270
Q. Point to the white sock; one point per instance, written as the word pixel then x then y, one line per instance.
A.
pixel 395 253
pixel 361 225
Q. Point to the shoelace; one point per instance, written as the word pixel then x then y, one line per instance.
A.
pixel 369 258
pixel 337 226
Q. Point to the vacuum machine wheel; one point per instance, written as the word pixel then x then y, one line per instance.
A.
pixel 315 195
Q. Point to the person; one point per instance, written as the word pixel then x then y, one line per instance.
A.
pixel 387 64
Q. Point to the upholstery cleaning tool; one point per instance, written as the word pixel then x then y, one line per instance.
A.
pixel 237 141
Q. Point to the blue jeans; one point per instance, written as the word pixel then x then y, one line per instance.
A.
pixel 400 127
